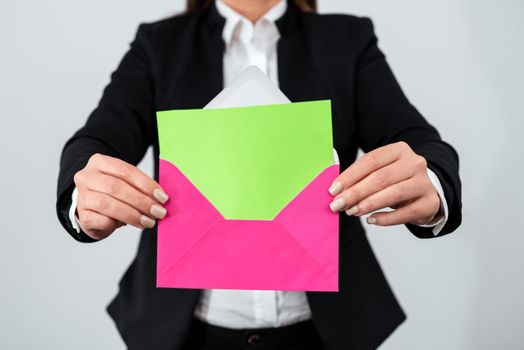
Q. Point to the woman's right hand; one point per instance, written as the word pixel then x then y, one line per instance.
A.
pixel 113 193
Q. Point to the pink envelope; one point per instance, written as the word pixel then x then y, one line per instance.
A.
pixel 199 248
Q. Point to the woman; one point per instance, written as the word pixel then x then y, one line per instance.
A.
pixel 183 62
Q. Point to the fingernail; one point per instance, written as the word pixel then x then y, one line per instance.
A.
pixel 146 221
pixel 160 195
pixel 157 211
pixel 337 205
pixel 371 220
pixel 352 211
pixel 335 188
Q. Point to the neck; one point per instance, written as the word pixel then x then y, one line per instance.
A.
pixel 251 9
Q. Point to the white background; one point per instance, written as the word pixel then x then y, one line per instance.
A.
pixel 459 61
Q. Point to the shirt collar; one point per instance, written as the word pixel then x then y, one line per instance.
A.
pixel 233 18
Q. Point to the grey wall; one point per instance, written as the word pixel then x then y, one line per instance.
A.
pixel 459 61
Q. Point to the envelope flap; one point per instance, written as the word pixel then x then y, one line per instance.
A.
pixel 315 232
pixel 188 210
pixel 249 162
pixel 258 254
pixel 251 88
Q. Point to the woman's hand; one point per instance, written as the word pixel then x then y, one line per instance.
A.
pixel 391 176
pixel 113 193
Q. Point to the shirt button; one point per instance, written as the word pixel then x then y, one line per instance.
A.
pixel 253 339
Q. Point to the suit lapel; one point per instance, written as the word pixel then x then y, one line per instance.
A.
pixel 203 77
pixel 298 78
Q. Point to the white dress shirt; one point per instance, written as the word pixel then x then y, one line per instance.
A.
pixel 249 44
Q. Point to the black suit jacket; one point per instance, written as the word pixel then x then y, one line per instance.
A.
pixel 177 63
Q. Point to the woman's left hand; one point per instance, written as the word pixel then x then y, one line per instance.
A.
pixel 390 176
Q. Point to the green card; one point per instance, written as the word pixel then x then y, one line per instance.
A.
pixel 249 162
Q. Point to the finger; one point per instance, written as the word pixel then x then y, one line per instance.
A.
pixel 401 204
pixel 113 208
pixel 375 182
pixel 96 225
pixel 126 193
pixel 365 165
pixel 130 174
pixel 391 197
pixel 414 211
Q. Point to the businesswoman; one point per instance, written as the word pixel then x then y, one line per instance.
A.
pixel 183 62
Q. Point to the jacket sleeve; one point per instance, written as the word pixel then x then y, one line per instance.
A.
pixel 122 125
pixel 386 116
